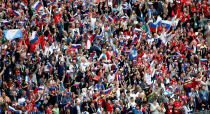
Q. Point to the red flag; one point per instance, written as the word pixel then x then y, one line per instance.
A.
pixel 96 77
pixel 172 13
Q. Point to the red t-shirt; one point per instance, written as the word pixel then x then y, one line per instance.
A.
pixel 48 111
pixel 170 109
pixel 192 34
pixel 140 55
pixel 177 104
pixel 57 18
pixel 109 54
pixel 173 82
pixel 194 83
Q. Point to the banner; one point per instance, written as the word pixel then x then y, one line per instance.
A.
pixel 13 34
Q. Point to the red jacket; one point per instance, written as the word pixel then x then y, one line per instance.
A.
pixel 177 106
pixel 57 18
pixel 108 106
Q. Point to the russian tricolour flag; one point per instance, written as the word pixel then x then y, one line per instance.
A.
pixel 109 19
pixel 166 23
pixel 135 39
pixel 22 6
pixel 93 54
pixel 16 13
pixel 188 48
pixel 11 109
pixel 155 25
pixel 136 30
pixel 124 18
pixel 6 22
pixel 125 6
pixel 76 46
pixel 20 23
pixel 37 6
pixel 107 91
pixel 44 16
pixel 128 51
pixel 50 4
pixel 13 34
pixel 34 37
pixel 76 84
pixel 203 60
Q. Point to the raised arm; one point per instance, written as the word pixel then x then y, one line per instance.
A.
pixel 2 72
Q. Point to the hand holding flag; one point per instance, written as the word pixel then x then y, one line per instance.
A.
pixel 37 6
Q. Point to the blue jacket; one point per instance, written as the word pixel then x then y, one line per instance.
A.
pixel 203 95
pixel 65 100
pixel 135 111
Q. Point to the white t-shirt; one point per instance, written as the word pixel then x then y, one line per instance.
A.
pixel 118 93
pixel 111 77
pixel 132 104
pixel 93 21
pixel 84 65
pixel 134 96
pixel 152 106
pixel 48 50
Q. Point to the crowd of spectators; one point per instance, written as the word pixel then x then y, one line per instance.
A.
pixel 105 56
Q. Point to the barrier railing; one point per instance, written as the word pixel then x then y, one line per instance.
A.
pixel 203 112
